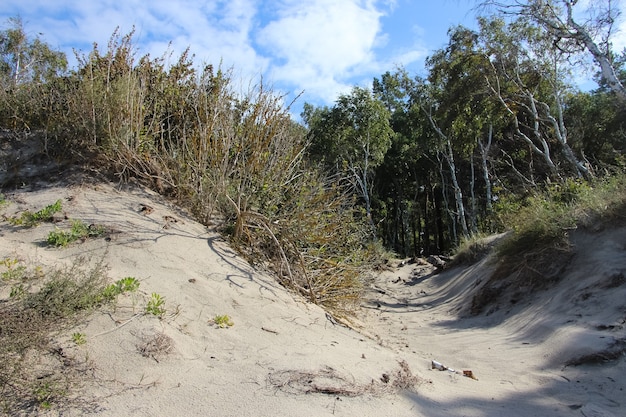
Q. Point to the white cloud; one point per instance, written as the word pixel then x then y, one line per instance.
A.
pixel 319 45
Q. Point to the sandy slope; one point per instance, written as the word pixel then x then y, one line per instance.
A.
pixel 285 357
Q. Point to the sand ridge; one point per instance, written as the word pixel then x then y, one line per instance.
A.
pixel 284 356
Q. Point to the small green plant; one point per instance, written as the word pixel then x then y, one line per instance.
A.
pixel 30 219
pixel 79 338
pixel 13 269
pixel 59 238
pixel 46 392
pixel 18 291
pixel 128 284
pixel 222 321
pixel 155 305
pixel 79 230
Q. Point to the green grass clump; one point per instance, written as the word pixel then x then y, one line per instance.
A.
pixel 30 219
pixel 79 230
pixel 79 338
pixel 156 305
pixel 471 249
pixel 222 321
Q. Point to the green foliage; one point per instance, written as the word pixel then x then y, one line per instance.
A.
pixel 128 284
pixel 156 305
pixel 545 219
pixel 25 60
pixel 222 321
pixel 13 269
pixel 68 291
pixel 29 219
pixel 79 230
pixel 355 130
pixel 79 338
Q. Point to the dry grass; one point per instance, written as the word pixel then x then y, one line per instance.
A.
pixel 330 382
pixel 155 346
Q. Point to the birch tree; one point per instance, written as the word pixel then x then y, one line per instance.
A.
pixel 561 19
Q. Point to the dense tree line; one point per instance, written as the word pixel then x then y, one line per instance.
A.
pixel 496 119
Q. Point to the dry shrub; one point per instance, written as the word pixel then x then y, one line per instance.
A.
pixel 155 345
pixel 190 135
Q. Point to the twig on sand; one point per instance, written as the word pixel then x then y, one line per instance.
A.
pixel 120 326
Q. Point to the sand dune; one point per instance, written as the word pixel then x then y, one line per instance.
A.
pixel 284 356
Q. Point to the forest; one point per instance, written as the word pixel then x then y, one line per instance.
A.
pixel 495 130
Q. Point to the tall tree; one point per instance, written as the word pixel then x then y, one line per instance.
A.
pixel 24 59
pixel 528 78
pixel 352 137
pixel 559 19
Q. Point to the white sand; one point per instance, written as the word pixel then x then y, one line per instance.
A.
pixel 281 351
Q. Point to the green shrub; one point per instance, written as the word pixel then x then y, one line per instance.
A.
pixel 29 219
pixel 545 219
pixel 79 230
pixel 69 291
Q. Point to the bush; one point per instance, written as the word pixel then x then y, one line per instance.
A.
pixel 547 218
pixel 27 324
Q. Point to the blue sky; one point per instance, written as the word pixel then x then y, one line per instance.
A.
pixel 320 47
